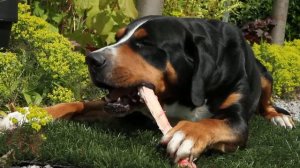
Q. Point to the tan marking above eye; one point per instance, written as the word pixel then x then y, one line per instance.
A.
pixel 140 33
pixel 120 33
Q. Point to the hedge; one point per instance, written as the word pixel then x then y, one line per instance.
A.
pixel 284 64
pixel 51 71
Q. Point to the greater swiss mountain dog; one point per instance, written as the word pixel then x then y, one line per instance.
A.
pixel 203 72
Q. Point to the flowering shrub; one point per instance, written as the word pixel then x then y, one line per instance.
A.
pixel 10 71
pixel 42 64
pixel 51 50
pixel 61 94
pixel 284 64
pixel 28 136
pixel 36 117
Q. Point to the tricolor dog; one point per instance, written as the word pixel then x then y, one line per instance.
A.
pixel 203 72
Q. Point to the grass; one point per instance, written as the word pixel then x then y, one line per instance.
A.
pixel 99 144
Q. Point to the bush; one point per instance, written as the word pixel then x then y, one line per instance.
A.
pixel 261 9
pixel 36 117
pixel 284 64
pixel 51 70
pixel 211 9
pixel 252 10
pixel 258 31
pixel 10 72
pixel 60 94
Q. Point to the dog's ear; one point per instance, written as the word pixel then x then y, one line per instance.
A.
pixel 197 87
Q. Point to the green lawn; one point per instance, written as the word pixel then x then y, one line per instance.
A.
pixel 99 144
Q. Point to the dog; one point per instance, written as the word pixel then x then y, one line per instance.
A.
pixel 203 72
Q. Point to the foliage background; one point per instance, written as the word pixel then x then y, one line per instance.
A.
pixel 44 69
pixel 41 67
pixel 210 9
pixel 91 23
pixel 241 11
pixel 262 9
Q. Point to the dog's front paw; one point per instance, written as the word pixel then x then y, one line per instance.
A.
pixel 185 141
pixel 282 120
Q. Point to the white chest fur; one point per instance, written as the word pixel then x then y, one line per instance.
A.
pixel 180 112
pixel 176 112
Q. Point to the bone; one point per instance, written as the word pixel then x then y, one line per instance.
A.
pixel 161 120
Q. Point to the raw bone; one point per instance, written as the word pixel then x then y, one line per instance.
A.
pixel 159 115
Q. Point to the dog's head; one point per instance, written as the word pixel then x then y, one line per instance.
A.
pixel 154 52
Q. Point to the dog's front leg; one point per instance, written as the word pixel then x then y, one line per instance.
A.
pixel 93 109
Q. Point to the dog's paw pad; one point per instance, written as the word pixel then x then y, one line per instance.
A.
pixel 283 121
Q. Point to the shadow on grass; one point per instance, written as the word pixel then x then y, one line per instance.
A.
pixel 132 142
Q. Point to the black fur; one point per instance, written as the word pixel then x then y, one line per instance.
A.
pixel 212 60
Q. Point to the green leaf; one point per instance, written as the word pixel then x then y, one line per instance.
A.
pixel 32 98
pixel 103 23
pixel 58 17
pixel 14 86
pixel 53 28
pixel 36 126
pixel 82 5
pixel 82 38
pixel 91 15
pixel 37 10
pixel 14 120
pixel 108 26
pixel 103 3
pixel 110 38
pixel 128 8
pixel 120 19
pixel 2 114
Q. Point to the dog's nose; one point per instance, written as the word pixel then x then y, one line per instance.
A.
pixel 95 59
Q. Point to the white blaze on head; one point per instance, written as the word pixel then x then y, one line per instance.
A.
pixel 122 40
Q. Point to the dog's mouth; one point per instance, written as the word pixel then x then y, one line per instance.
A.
pixel 121 101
